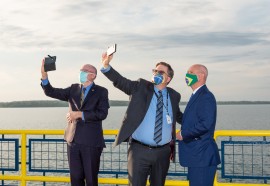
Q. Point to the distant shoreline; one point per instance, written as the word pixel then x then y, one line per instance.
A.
pixel 56 103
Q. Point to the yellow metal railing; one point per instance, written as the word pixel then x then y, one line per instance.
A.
pixel 240 133
pixel 23 177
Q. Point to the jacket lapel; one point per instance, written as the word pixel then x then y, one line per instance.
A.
pixel 74 99
pixel 149 95
pixel 174 109
pixel 89 94
pixel 193 99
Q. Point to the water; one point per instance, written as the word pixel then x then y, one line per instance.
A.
pixel 230 117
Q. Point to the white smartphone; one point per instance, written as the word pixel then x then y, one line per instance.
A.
pixel 111 50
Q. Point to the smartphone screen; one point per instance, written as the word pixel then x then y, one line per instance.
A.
pixel 111 50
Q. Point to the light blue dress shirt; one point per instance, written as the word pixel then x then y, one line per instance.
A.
pixel 145 132
pixel 104 70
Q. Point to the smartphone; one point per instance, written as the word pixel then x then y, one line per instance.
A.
pixel 111 50
pixel 49 64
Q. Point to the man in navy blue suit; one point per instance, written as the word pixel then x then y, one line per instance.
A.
pixel 89 106
pixel 197 148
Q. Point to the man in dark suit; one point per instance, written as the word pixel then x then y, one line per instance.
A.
pixel 149 122
pixel 90 104
pixel 197 148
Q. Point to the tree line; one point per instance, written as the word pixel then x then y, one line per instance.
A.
pixel 57 103
pixel 48 103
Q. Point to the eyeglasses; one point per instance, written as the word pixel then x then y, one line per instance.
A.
pixel 161 72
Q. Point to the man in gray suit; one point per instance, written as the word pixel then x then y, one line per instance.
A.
pixel 149 122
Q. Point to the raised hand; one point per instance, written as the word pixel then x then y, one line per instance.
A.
pixel 44 75
pixel 106 59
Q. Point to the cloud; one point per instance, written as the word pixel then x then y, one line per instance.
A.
pixel 230 37
pixel 84 25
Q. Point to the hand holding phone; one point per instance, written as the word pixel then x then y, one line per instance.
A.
pixel 111 50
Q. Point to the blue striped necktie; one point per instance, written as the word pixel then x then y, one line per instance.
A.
pixel 159 119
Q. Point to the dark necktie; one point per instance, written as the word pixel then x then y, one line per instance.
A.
pixel 159 119
pixel 82 95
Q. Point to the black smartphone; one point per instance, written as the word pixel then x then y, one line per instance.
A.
pixel 49 64
pixel 111 50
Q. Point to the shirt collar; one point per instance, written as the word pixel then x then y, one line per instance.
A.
pixel 197 89
pixel 164 91
pixel 88 87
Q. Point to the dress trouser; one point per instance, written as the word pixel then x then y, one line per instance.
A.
pixel 144 161
pixel 201 176
pixel 84 164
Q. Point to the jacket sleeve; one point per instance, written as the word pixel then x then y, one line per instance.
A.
pixel 100 111
pixel 120 82
pixel 57 93
pixel 179 114
pixel 205 119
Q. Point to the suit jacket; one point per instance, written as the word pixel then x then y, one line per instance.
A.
pixel 198 148
pixel 95 108
pixel 141 93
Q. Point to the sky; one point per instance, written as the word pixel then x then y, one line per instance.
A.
pixel 231 38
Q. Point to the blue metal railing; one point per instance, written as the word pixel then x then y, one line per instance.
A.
pixel 9 154
pixel 49 155
pixel 245 159
pixel 242 159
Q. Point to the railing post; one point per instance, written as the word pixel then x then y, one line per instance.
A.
pixel 23 160
pixel 3 181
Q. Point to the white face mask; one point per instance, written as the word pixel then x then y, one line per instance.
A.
pixel 83 77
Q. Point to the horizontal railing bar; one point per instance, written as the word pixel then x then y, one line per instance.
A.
pixel 48 132
pixel 218 133
pixel 115 132
pixel 67 179
pixel 240 184
pixel 241 133
pixel 109 180
pixel 10 177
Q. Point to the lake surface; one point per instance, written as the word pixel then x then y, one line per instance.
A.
pixel 230 117
pixel 237 117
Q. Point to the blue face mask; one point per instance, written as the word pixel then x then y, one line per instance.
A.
pixel 83 77
pixel 157 79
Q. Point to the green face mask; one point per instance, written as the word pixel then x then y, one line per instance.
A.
pixel 191 79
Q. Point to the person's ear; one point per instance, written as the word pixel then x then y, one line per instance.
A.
pixel 200 76
pixel 168 79
pixel 88 76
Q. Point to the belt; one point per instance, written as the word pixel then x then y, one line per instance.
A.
pixel 149 146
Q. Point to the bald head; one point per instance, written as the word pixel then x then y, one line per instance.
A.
pixel 201 72
pixel 89 68
pixel 200 69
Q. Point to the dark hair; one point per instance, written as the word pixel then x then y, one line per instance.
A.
pixel 170 70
